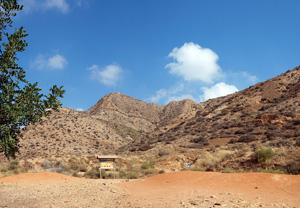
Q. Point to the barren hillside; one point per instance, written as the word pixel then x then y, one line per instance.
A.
pixel 112 123
pixel 223 134
pixel 266 115
pixel 121 109
pixel 69 132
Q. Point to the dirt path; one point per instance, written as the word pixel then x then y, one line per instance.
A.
pixel 176 189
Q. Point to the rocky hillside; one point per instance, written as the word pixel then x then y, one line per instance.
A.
pixel 113 122
pixel 70 132
pixel 266 115
pixel 221 133
pixel 117 108
pixel 270 105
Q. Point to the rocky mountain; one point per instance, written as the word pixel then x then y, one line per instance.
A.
pixel 116 108
pixel 112 123
pixel 264 115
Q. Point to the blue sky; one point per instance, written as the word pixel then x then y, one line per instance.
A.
pixel 157 51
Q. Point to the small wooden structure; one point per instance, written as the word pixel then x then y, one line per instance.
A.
pixel 107 162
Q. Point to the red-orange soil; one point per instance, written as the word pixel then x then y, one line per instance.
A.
pixel 176 189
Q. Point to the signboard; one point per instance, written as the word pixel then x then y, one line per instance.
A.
pixel 107 165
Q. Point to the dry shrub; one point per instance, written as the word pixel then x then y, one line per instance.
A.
pixel 129 175
pixel 147 165
pixel 163 153
pixel 3 169
pixel 144 147
pixel 13 165
pixel 27 166
pixel 247 139
pixel 212 161
pixel 46 164
pixel 95 173
pixel 297 142
pixel 293 167
pixel 161 172
pixel 264 155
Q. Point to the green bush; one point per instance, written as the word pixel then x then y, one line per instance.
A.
pixel 16 171
pixel 129 175
pixel 26 167
pixel 13 165
pixel 95 173
pixel 264 155
pixel 65 168
pixel 147 165
pixel 3 169
pixel 132 175
pixel 56 170
pixel 46 164
pixel 161 171
pixel 148 172
pixel 57 164
pixel 82 168
pixel 273 171
pixel 75 175
pixel 293 167
pixel 75 166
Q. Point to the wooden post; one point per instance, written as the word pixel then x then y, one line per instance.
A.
pixel 100 171
pixel 114 170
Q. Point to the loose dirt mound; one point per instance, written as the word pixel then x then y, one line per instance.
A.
pixel 176 189
pixel 38 178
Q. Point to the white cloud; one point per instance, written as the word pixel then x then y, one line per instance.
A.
pixel 250 78
pixel 192 62
pixel 108 76
pixel 61 5
pixel 218 90
pixel 31 5
pixel 79 109
pixel 199 68
pixel 55 62
pixel 165 93
pixel 39 62
pixel 171 94
pixel 159 95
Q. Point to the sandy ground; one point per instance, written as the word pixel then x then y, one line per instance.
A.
pixel 176 189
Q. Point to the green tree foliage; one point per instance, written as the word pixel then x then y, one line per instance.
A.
pixel 21 102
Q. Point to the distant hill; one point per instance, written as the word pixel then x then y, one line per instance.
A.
pixel 112 123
